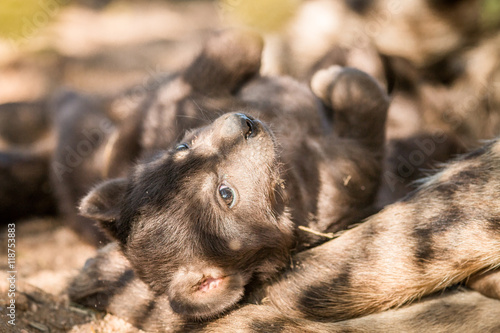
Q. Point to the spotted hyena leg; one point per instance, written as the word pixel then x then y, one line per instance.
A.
pixel 357 102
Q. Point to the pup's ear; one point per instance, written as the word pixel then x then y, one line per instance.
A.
pixel 103 205
pixel 226 61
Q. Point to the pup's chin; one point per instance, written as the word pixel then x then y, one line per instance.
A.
pixel 204 294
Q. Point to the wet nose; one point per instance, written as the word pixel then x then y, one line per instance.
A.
pixel 239 124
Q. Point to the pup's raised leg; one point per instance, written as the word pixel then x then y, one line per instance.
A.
pixel 196 96
pixel 357 107
pixel 227 60
pixel 357 102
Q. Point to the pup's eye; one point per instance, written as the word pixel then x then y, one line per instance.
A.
pixel 182 146
pixel 228 195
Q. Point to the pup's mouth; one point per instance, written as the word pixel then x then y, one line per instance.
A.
pixel 210 283
pixel 203 296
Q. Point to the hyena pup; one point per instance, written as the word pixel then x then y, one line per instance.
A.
pixel 205 217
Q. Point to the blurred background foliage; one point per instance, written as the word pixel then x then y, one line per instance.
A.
pixel 491 13
pixel 22 18
pixel 19 17
pixel 263 15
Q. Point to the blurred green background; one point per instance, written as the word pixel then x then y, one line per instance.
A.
pixel 23 18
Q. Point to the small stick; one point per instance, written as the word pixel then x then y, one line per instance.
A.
pixel 317 233
pixel 38 326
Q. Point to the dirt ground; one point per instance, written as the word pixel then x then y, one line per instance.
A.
pixel 48 255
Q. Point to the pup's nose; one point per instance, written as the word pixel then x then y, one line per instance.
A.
pixel 239 124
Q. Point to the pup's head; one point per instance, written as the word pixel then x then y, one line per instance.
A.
pixel 197 222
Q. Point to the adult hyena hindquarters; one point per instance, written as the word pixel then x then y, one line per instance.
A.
pixel 454 311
